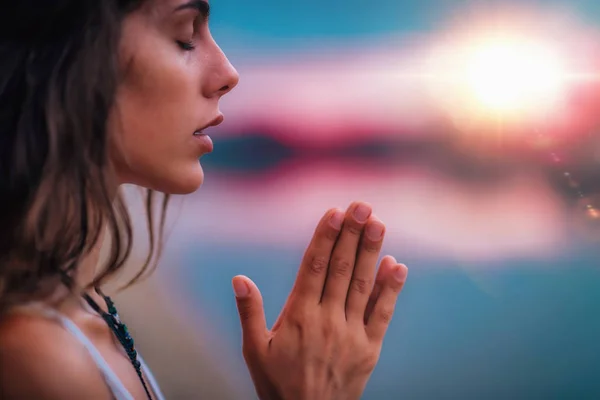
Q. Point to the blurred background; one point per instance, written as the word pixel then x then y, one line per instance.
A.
pixel 472 127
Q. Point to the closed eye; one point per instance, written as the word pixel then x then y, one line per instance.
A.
pixel 187 46
pixel 203 9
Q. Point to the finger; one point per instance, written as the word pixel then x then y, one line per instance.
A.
pixel 313 269
pixel 343 257
pixel 363 276
pixel 385 268
pixel 252 315
pixel 383 311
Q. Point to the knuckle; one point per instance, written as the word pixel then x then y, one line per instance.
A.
pixel 361 285
pixel 341 266
pixel 370 361
pixel 354 229
pixel 371 247
pixel 396 287
pixel 385 314
pixel 245 310
pixel 317 264
pixel 331 234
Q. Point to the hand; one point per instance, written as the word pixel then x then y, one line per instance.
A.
pixel 327 340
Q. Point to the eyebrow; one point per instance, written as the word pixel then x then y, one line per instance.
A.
pixel 202 6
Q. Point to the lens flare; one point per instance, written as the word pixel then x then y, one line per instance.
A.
pixel 493 76
pixel 512 69
pixel 513 75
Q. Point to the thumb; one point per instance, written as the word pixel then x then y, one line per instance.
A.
pixel 250 307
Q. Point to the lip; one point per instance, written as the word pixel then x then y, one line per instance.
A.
pixel 214 122
pixel 205 142
pixel 203 139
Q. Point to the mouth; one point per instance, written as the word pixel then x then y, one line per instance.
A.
pixel 216 121
pixel 203 139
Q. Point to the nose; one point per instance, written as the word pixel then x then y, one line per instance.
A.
pixel 231 77
pixel 224 76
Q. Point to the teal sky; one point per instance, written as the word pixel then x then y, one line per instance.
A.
pixel 276 20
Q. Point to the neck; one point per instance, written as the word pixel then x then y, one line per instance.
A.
pixel 88 268
pixel 86 273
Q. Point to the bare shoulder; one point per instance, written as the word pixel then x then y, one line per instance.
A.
pixel 39 359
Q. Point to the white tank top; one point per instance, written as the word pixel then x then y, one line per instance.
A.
pixel 115 385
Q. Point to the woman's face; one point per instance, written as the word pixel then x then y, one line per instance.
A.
pixel 174 76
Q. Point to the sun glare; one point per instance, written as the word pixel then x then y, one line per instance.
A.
pixel 490 78
pixel 508 76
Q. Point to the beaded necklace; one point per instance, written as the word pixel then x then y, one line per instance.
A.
pixel 120 330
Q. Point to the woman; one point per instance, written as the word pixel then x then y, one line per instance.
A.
pixel 97 94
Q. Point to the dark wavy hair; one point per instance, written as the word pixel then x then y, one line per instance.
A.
pixel 59 72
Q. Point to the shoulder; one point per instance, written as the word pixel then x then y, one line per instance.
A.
pixel 40 359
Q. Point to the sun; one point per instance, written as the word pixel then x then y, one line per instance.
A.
pixel 506 75
pixel 485 77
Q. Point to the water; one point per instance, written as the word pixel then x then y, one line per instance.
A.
pixel 513 314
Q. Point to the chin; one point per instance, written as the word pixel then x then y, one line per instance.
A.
pixel 185 182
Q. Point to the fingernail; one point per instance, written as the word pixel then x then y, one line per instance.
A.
pixel 362 212
pixel 400 273
pixel 375 230
pixel 337 219
pixel 240 288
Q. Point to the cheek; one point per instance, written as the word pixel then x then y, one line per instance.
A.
pixel 157 106
pixel 158 92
